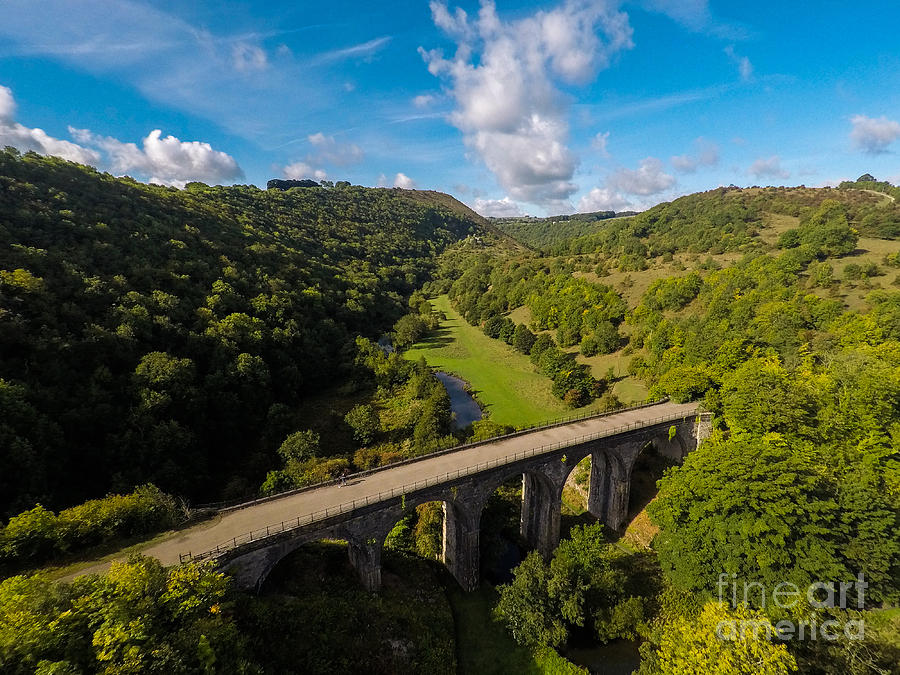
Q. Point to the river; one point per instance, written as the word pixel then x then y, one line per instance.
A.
pixel 465 409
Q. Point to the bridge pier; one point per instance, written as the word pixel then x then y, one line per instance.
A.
pixel 539 524
pixel 598 489
pixel 366 560
pixel 461 547
pixel 618 482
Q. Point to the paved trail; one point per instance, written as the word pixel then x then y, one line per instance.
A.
pixel 207 535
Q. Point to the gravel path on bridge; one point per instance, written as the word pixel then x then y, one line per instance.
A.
pixel 207 535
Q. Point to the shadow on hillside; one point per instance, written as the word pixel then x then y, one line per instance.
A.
pixel 439 338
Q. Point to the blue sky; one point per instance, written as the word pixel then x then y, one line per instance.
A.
pixel 513 107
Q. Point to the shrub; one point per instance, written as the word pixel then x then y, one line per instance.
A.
pixel 38 535
pixel 364 421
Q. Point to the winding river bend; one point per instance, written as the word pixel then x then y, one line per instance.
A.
pixel 465 409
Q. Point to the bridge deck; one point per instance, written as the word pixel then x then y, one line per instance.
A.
pixel 237 523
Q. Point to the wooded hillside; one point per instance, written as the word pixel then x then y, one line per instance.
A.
pixel 152 334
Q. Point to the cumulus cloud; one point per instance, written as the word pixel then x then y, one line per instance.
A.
pixel 873 135
pixel 24 138
pixel 301 170
pixel 603 199
pixel 707 155
pixel 497 208
pixel 503 79
pixel 401 180
pixel 167 161
pixel 7 106
pixel 768 167
pixel 648 179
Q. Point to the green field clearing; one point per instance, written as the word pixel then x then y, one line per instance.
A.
pixel 521 315
pixel 774 224
pixel 503 380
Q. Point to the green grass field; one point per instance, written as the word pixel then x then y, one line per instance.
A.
pixel 504 381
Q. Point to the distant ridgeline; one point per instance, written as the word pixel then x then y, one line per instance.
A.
pixel 868 182
pixel 545 233
pixel 279 184
pixel 149 334
pixel 728 219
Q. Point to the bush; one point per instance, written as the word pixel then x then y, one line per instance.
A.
pixel 300 446
pixel 507 330
pixel 589 345
pixel 364 421
pixel 493 326
pixel 541 344
pixel 36 536
pixel 789 239
pixel 408 330
pixel 523 339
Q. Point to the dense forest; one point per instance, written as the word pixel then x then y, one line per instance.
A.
pixel 149 334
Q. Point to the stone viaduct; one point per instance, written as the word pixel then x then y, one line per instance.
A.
pixel 673 429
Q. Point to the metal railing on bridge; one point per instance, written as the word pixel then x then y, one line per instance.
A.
pixel 323 514
pixel 434 452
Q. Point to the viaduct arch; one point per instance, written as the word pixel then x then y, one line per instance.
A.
pixel 544 472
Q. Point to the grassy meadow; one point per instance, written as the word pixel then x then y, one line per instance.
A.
pixel 503 380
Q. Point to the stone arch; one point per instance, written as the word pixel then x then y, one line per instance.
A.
pixel 598 478
pixel 676 447
pixel 251 568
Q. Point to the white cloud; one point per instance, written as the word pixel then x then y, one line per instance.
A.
pixel 696 16
pixel 363 50
pixel 768 167
pixel 873 135
pixel 24 138
pixel 167 161
pixel 502 78
pixel 497 208
pixel 745 68
pixel 326 151
pixel 693 14
pixel 184 66
pixel 7 106
pixel 401 180
pixel 423 100
pixel 707 155
pixel 603 199
pixel 248 58
pixel 301 170
pixel 648 179
pixel 600 142
pixel 329 151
